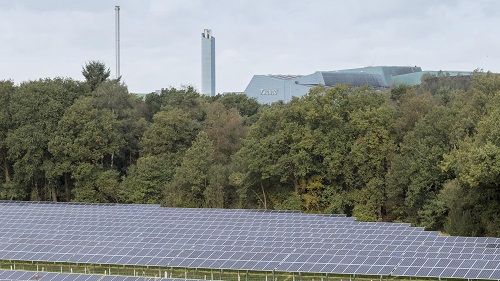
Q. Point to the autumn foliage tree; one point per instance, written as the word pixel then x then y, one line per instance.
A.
pixel 426 154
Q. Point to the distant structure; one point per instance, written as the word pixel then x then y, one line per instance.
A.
pixel 272 88
pixel 117 35
pixel 207 63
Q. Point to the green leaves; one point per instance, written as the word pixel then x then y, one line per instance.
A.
pixel 337 136
pixel 7 89
pixel 35 109
pixel 171 132
pixel 95 73
pixel 429 154
pixel 146 179
pixel 192 177
pixel 86 133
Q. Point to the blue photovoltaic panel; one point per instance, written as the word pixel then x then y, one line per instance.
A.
pixel 9 275
pixel 148 235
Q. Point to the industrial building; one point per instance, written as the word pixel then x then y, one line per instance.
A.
pixel 207 63
pixel 272 88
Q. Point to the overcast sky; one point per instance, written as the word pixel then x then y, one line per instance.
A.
pixel 161 39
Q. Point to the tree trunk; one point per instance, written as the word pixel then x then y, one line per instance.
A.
pixel 67 194
pixel 296 185
pixel 264 195
pixel 7 177
pixel 53 193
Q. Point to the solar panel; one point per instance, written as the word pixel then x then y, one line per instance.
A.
pixel 10 275
pixel 148 235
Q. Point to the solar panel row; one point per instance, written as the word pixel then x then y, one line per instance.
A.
pixel 234 239
pixel 15 275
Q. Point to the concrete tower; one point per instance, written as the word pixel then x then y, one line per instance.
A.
pixel 207 63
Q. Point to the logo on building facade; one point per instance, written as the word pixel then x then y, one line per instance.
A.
pixel 269 92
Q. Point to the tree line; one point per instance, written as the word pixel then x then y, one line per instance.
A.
pixel 426 154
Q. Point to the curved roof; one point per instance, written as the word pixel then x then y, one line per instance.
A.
pixel 356 79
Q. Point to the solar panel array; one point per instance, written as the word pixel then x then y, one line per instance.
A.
pixel 15 275
pixel 148 235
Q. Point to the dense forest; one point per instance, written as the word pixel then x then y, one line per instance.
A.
pixel 427 154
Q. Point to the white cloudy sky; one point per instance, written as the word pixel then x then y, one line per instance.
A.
pixel 161 44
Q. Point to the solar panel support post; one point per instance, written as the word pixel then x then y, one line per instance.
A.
pixel 247 276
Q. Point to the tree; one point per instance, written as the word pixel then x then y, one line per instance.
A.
pixel 6 91
pixel 85 139
pixel 246 107
pixel 172 131
pixel 475 161
pixel 225 127
pixel 36 108
pixel 145 181
pixel 95 73
pixel 192 177
pixel 411 107
pixel 217 194
pixel 295 150
pixel 274 149
pixel 370 153
pixel 162 146
pixel 186 99
pixel 415 177
pixel 131 122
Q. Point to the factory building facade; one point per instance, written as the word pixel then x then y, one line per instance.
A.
pixel 272 88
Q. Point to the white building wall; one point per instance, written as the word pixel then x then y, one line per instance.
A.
pixel 267 89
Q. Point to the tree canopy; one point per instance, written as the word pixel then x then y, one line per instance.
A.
pixel 427 154
pixel 95 72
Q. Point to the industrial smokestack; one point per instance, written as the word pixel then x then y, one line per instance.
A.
pixel 117 35
pixel 207 63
